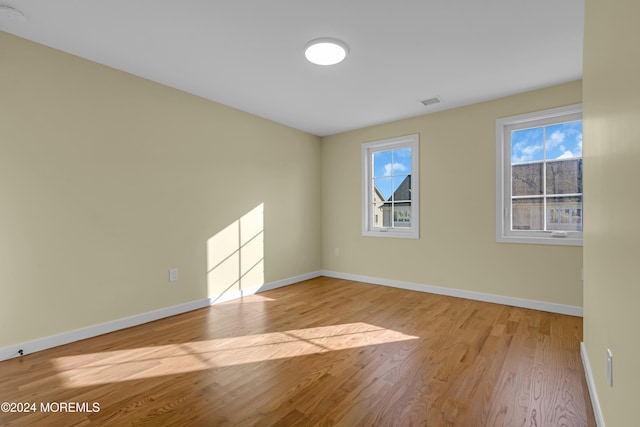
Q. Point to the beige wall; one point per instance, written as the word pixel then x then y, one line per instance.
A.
pixel 612 203
pixel 108 180
pixel 457 246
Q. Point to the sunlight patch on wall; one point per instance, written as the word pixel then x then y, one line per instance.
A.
pixel 235 255
pixel 172 359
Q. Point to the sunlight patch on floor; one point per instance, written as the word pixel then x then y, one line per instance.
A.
pixel 246 299
pixel 171 359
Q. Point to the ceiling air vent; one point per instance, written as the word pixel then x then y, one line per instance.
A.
pixel 431 101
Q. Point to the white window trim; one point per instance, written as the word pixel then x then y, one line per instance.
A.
pixel 504 126
pixel 408 141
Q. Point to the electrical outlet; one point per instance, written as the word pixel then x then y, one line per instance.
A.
pixel 336 252
pixel 173 275
pixel 610 367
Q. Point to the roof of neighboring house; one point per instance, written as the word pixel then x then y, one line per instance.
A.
pixel 378 194
pixel 402 195
pixel 403 192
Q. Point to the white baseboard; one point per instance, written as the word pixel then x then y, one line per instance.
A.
pixel 99 329
pixel 479 296
pixel 592 386
pixel 39 344
pixel 239 293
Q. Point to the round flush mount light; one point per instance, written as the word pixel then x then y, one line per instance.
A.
pixel 326 51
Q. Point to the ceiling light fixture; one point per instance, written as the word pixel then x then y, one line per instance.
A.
pixel 326 51
pixel 10 12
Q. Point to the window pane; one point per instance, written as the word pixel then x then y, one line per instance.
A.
pixel 527 179
pixel 402 215
pixel 527 214
pixel 564 176
pixel 381 160
pixel 392 163
pixel 564 213
pixel 377 215
pixel 387 214
pixel 402 161
pixel 382 189
pixel 564 140
pixel 527 145
pixel 403 189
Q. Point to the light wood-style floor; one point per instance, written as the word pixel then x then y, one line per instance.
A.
pixel 321 352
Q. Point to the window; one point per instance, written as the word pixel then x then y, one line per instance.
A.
pixel 539 177
pixel 390 187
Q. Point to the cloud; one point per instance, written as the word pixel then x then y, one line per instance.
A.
pixel 556 139
pixel 524 153
pixel 577 151
pixel 390 168
pixel 566 155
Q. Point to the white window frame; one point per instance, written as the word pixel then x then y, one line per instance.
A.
pixel 367 150
pixel 504 127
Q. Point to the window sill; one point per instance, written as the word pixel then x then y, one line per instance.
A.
pixel 389 233
pixel 539 240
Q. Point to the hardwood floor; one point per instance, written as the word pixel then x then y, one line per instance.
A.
pixel 321 352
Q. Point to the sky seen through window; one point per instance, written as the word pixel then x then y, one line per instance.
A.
pixel 390 169
pixel 563 141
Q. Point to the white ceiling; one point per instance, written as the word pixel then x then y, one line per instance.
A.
pixel 248 54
